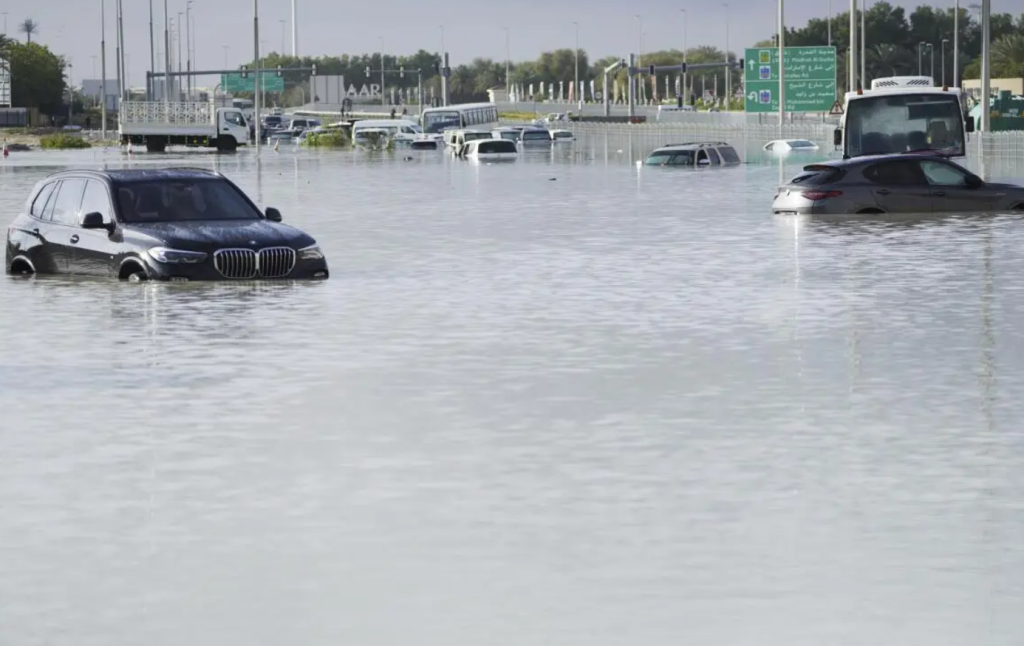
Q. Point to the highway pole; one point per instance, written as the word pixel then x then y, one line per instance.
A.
pixel 782 68
pixel 986 68
pixel 167 60
pixel 256 64
pixel 103 69
pixel 152 57
pixel 956 44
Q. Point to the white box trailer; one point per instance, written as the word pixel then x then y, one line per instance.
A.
pixel 200 124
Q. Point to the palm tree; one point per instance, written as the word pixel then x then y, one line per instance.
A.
pixel 1008 56
pixel 5 42
pixel 886 60
pixel 28 27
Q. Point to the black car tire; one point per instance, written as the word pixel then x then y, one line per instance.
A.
pixel 138 276
pixel 226 144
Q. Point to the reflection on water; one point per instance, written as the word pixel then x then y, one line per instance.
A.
pixel 564 400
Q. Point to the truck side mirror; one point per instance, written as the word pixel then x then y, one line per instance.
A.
pixel 837 137
pixel 969 124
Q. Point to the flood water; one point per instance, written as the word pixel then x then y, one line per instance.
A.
pixel 557 401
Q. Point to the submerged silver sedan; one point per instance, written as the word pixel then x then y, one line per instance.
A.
pixel 908 183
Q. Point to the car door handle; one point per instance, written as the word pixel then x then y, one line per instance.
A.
pixel 884 191
pixel 939 193
pixel 74 239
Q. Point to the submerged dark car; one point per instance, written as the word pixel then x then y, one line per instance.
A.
pixel 173 224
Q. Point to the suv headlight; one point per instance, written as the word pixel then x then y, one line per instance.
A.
pixel 312 252
pixel 175 256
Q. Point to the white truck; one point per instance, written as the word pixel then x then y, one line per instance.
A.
pixel 201 124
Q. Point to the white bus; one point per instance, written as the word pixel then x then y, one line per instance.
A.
pixel 904 114
pixel 477 116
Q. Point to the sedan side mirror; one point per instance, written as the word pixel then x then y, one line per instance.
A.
pixel 273 214
pixel 837 137
pixel 94 220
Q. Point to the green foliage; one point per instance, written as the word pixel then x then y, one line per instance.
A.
pixel 37 76
pixel 29 27
pixel 517 116
pixel 378 142
pixel 62 140
pixel 332 138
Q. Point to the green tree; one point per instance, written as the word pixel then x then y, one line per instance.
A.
pixel 37 77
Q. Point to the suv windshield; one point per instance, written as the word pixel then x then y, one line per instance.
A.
pixel 670 158
pixel 438 121
pixel 904 122
pixel 181 200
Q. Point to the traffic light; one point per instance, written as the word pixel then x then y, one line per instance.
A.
pixel 245 72
pixel 741 63
pixel 279 70
pixel 437 67
pixel 682 67
pixel 401 72
pixel 367 71
pixel 650 70
pixel 313 71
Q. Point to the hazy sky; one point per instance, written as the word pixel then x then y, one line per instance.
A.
pixel 471 28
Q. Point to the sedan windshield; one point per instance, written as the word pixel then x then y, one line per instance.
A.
pixel 181 200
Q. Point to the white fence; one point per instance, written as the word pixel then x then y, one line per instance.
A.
pixel 174 112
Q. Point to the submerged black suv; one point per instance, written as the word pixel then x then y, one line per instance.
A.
pixel 169 224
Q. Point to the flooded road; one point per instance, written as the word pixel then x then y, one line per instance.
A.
pixel 558 401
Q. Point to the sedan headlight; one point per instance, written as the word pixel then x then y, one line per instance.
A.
pixel 311 252
pixel 175 256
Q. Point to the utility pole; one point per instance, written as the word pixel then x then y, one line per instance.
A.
pixel 383 98
pixel 576 54
pixel 986 68
pixel 152 56
pixel 863 42
pixel 944 41
pixel 683 90
pixel 103 68
pixel 956 44
pixel 188 48
pixel 125 90
pixel 782 68
pixel 295 32
pixel 507 86
pixel 167 59
pixel 728 70
pixel 256 65
pixel 852 62
pixel 829 23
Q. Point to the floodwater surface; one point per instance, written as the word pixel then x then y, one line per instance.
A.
pixel 560 401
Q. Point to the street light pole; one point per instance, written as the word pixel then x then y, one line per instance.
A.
pixel 576 52
pixel 920 50
pixel 103 68
pixel 931 53
pixel 682 90
pixel 829 23
pixel 256 65
pixel 944 41
pixel 188 47
pixel 956 44
pixel 507 55
pixel 167 59
pixel 383 99
pixel 728 70
pixel 295 32
pixel 635 78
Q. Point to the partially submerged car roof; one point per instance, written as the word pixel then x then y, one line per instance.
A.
pixel 142 174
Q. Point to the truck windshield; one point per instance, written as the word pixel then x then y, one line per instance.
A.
pixel 903 123
pixel 179 200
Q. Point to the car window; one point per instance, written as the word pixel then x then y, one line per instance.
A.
pixel 715 159
pixel 39 204
pixel 940 174
pixel 682 158
pixel 234 118
pixel 48 209
pixel 69 197
pixel 194 199
pixel 896 173
pixel 729 155
pixel 96 200
pixel 769 146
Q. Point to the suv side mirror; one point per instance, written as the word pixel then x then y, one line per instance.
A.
pixel 273 214
pixel 94 220
pixel 969 124
pixel 837 137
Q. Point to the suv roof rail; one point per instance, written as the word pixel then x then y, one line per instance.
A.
pixel 700 143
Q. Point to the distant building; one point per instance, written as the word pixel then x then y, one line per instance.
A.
pixel 95 88
pixel 973 86
pixel 497 95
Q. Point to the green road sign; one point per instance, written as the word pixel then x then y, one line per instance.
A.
pixel 810 79
pixel 269 81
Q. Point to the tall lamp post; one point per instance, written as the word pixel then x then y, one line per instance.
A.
pixel 931 53
pixel 576 53
pixel 728 70
pixel 920 50
pixel 683 90
pixel 944 41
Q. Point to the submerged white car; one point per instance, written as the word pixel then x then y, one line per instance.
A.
pixel 786 145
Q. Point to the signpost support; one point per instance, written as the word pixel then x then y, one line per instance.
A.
pixel 782 71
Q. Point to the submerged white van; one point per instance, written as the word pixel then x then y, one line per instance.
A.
pixel 397 129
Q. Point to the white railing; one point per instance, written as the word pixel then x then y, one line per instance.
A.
pixel 184 113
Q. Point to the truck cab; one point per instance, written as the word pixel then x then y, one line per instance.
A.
pixel 231 122
pixel 903 114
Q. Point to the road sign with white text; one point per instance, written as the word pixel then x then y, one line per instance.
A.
pixel 269 82
pixel 810 79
